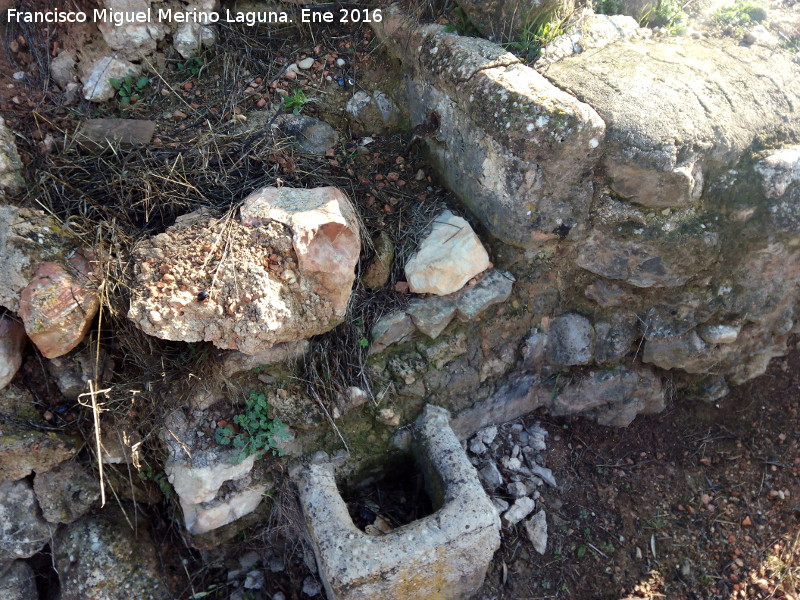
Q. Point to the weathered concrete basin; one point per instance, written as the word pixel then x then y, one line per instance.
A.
pixel 444 555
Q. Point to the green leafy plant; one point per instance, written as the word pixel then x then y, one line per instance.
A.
pixel 159 478
pixel 668 14
pixel 191 67
pixel 257 432
pixel 741 12
pixel 607 547
pixel 296 101
pixel 129 88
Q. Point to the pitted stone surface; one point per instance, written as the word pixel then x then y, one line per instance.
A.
pixel 24 448
pixel 22 531
pixel 662 139
pixel 66 492
pixel 18 582
pixel 519 163
pixel 444 555
pixel 27 238
pixel 100 557
pixel 282 271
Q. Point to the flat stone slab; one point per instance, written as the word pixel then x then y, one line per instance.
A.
pixel 104 134
pixel 512 146
pixel 444 555
pixel 676 108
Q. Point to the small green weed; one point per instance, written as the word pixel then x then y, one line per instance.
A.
pixel 130 88
pixel 296 101
pixel 191 67
pixel 656 523
pixel 741 12
pixel 668 14
pixel 257 432
pixel 607 547
pixel 159 478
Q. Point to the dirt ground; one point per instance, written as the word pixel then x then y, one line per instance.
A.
pixel 699 502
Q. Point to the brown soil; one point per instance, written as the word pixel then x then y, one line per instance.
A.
pixel 701 501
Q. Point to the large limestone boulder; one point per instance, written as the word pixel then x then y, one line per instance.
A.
pixel 281 271
pixel 60 303
pixel 447 258
pixel 521 162
pixel 134 40
pixel 96 84
pixel 23 532
pixel 23 447
pixel 12 340
pixel 100 557
pixel 664 140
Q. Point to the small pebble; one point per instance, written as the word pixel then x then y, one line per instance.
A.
pixel 306 63
pixel 340 62
pixel 19 75
pixel 311 587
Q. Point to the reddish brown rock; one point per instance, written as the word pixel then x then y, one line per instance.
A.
pixel 12 339
pixel 58 305
pixel 325 233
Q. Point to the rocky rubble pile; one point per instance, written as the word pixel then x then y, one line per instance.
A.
pixel 510 463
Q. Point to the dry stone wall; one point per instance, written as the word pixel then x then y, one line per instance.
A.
pixel 642 196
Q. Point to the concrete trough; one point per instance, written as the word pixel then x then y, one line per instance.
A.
pixel 444 555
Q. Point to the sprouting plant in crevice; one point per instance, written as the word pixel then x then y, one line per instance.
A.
pixel 669 14
pixel 129 88
pixel 191 67
pixel 296 101
pixel 159 478
pixel 254 430
pixel 540 29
